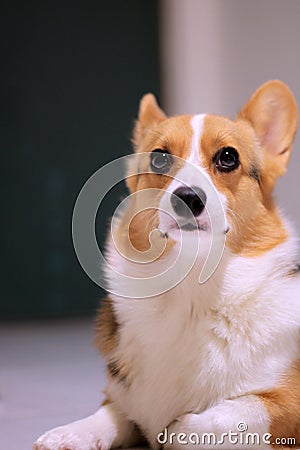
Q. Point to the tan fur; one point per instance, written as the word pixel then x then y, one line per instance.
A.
pixel 107 340
pixel 256 226
pixel 149 115
pixel 174 135
pixel 106 401
pixel 107 328
pixel 140 228
pixel 283 405
pixel 272 111
pixel 132 235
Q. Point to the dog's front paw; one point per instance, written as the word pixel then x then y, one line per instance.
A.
pixel 65 438
pixel 105 429
pixel 80 435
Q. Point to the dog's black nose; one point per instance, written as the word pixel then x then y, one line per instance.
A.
pixel 193 197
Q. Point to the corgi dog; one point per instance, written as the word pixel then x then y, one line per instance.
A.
pixel 207 364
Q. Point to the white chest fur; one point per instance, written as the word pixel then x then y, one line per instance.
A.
pixel 196 345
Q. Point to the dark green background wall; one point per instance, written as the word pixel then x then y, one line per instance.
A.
pixel 71 77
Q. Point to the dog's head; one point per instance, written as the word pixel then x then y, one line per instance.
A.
pixel 187 159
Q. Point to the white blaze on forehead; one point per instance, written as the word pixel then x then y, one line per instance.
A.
pixel 193 174
pixel 197 123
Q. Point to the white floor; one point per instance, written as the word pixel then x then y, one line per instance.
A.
pixel 50 374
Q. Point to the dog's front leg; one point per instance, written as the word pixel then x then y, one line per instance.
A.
pixel 233 424
pixel 105 429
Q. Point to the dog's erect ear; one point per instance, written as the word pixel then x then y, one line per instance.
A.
pixel 273 113
pixel 150 114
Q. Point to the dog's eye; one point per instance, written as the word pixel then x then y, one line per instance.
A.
pixel 226 159
pixel 161 161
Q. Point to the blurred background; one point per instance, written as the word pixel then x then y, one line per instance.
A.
pixel 72 74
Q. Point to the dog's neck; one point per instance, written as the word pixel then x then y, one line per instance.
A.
pixel 235 277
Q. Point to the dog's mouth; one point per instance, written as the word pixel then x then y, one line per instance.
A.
pixel 191 227
pixel 172 226
pixel 188 226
